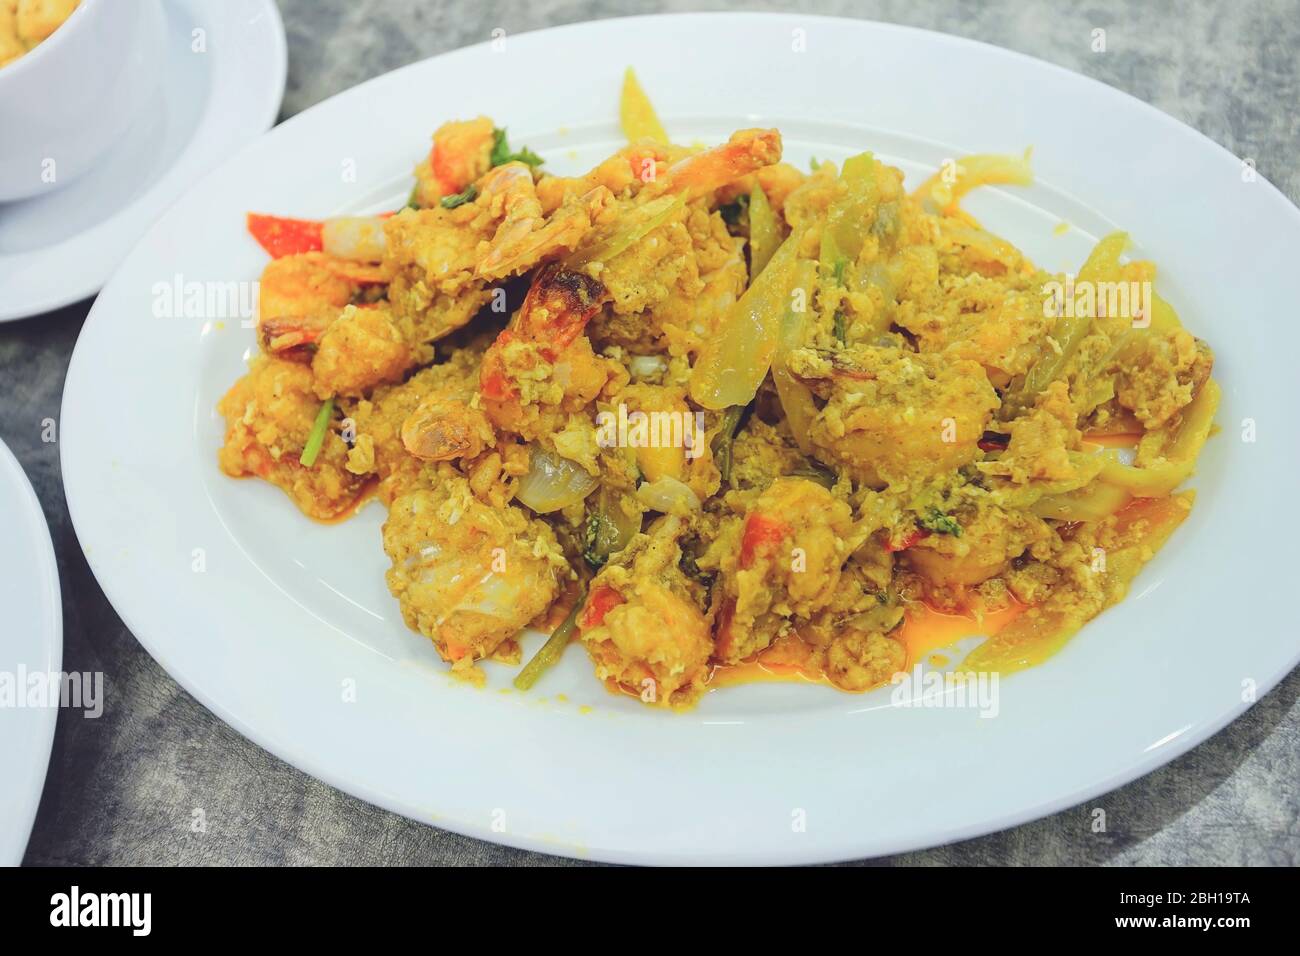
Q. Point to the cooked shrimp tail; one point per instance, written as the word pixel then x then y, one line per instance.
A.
pixel 748 151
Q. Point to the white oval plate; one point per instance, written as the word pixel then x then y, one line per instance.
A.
pixel 31 643
pixel 60 248
pixel 287 631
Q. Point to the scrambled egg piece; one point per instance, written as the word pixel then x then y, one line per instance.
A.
pixel 793 542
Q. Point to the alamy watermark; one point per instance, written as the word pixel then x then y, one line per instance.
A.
pixel 977 690
pixel 79 690
pixel 182 298
pixel 74 908
pixel 1091 300
pixel 623 429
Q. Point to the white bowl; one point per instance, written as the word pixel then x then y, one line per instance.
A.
pixel 67 101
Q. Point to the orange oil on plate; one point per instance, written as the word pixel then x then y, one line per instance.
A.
pixel 1112 440
pixel 924 633
pixel 362 498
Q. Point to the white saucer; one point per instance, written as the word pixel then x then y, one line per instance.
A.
pixel 61 248
pixel 31 642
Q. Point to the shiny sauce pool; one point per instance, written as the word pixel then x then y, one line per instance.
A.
pixel 924 634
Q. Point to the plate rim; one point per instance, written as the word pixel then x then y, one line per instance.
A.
pixel 1138 768
pixel 47 572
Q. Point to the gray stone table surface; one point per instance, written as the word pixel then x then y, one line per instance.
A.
pixel 121 789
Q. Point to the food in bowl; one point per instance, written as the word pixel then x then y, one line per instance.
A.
pixel 721 414
pixel 69 103
pixel 26 23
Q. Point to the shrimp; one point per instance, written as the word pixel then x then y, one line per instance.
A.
pixel 699 175
pixel 643 625
pixel 378 448
pixel 442 428
pixel 526 235
pixel 623 174
pixel 892 415
pixel 778 181
pixel 991 537
pixel 269 416
pixel 542 356
pixel 356 238
pixel 351 238
pixel 461 153
pixel 652 170
pixel 299 296
pixel 466 575
pixel 362 348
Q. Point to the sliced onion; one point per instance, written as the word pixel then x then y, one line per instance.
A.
pixel 668 496
pixel 1093 502
pixel 553 482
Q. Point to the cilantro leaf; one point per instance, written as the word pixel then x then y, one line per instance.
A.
pixel 940 523
pixel 501 153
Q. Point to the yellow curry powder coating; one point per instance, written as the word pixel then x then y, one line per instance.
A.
pixel 901 431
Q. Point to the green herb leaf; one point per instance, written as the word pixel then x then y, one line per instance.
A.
pixel 725 438
pixel 549 653
pixel 598 539
pixel 841 327
pixel 691 568
pixel 815 471
pixel 316 439
pixel 940 523
pixel 501 153
pixel 459 199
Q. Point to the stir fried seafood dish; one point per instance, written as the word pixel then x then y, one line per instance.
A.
pixel 704 410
